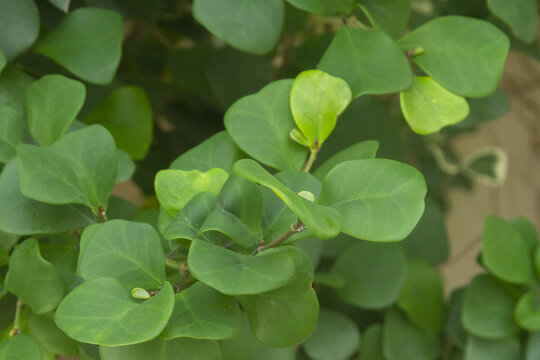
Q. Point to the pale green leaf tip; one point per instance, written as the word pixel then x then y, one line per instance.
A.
pixel 140 293
pixel 299 138
pixel 308 195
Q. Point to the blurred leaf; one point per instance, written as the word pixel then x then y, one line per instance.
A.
pixel 533 346
pixel 188 69
pixel 390 16
pixel 519 15
pixel 324 7
pixel 19 26
pixel 372 343
pixel 485 109
pixel 11 132
pixel 454 327
pixel 527 312
pixel 487 165
pixel 49 337
pixel 500 349
pixel 20 347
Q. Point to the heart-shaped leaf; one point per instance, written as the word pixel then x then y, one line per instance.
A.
pixel 51 105
pixel 174 188
pixel 68 172
pixel 380 68
pixel 379 199
pixel 33 279
pixel 235 274
pixel 127 251
pixel 11 132
pixel 201 312
pixel 267 112
pixel 103 312
pixel 253 26
pixel 465 55
pixel 317 99
pixel 428 107
pixel 323 221
pixel 88 42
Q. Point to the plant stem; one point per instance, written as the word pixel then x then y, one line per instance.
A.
pixel 297 227
pixel 309 163
pixel 17 322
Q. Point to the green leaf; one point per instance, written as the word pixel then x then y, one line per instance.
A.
pixel 504 252
pixel 464 55
pixel 358 151
pixel 34 280
pixel 224 222
pixel 374 274
pixel 62 5
pixel 2 60
pixel 323 221
pixel 454 327
pixel 88 42
pixel 379 199
pixel 533 346
pixel 527 231
pixel 421 297
pixel 428 241
pixel 159 349
pixel 11 132
pixel 125 168
pixel 266 112
pixel 23 216
pixel 235 274
pixel 103 312
pixel 135 257
pixel 51 105
pixel 79 168
pixel 323 7
pixel 527 312
pixel 317 99
pixel 365 70
pixel 44 331
pixel 402 340
pixel 390 16
pixel 21 347
pixel 488 309
pixel 372 343
pixel 218 151
pixel 13 83
pixel 252 26
pixel 174 188
pixel 201 312
pixel 233 74
pixel 519 15
pixel 335 337
pixel 62 252
pixel 485 109
pixel 428 107
pixel 285 316
pixel 126 113
pixel 19 26
pixel 500 349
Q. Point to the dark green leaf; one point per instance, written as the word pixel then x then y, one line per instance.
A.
pixel 11 132
pixel 365 70
pixel 87 43
pixel 372 343
pixel 188 70
pixel 390 16
pixel 454 327
pixel 33 279
pixel 324 7
pixel 19 26
pixel 485 349
pixel 519 15
pixel 49 337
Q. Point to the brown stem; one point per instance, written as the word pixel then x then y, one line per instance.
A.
pixel 297 227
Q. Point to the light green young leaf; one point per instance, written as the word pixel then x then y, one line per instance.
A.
pixel 11 132
pixel 23 216
pixel 323 221
pixel 51 105
pixel 253 26
pixel 527 312
pixel 127 251
pixel 159 349
pixel 465 55
pixel 79 168
pixel 335 337
pixel 236 274
pixel 422 298
pixel 380 68
pixel 390 16
pixel 379 199
pixel 127 114
pixel 486 349
pixel 504 252
pixel 218 151
pixel 46 333
pixel 488 309
pixel 374 274
pixel 324 7
pixel 285 316
pixel 267 112
pixel 34 280
pixel 359 151
pixel 88 42
pixel 20 347
pixel 174 188
pixel 519 15
pixel 428 107
pixel 317 99
pixel 19 26
pixel 103 312
pixel 201 312
pixel 402 340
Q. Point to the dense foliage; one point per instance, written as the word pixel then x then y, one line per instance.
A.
pixel 299 230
